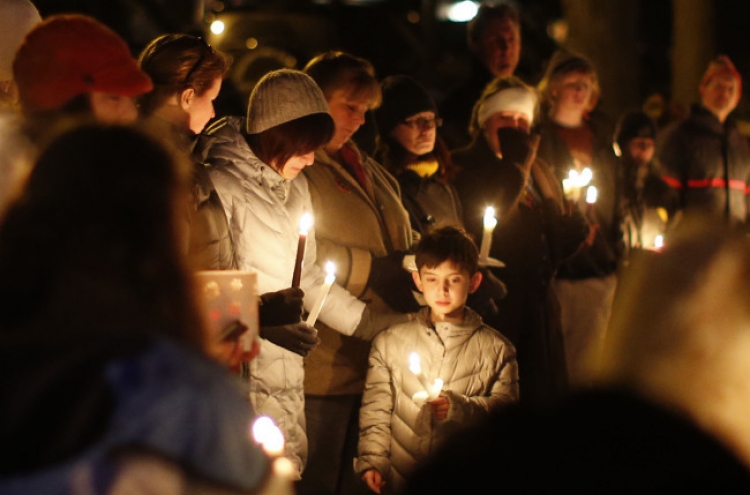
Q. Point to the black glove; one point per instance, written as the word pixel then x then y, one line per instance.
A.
pixel 297 337
pixel 393 283
pixel 517 146
pixel 283 307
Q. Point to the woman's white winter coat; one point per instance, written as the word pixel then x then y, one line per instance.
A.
pixel 263 212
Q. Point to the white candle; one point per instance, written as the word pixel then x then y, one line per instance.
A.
pixel 489 226
pixel 268 435
pixel 591 195
pixel 585 177
pixel 305 222
pixel 435 390
pixel 658 242
pixel 327 283
pixel 416 368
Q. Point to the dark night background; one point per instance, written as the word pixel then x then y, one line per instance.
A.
pixel 405 36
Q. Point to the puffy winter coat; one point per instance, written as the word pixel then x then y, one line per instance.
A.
pixel 693 160
pixel 479 370
pixel 263 211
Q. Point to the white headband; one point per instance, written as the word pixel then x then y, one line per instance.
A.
pixel 508 100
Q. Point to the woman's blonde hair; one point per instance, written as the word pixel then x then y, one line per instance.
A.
pixel 560 65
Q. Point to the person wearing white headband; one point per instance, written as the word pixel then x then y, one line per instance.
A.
pixel 513 106
pixel 533 235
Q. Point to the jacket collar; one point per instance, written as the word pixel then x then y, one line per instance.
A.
pixel 472 322
pixel 229 137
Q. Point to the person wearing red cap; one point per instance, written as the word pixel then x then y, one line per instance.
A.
pixel 73 64
pixel 706 158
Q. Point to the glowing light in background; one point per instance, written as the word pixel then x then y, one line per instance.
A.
pixel 463 11
pixel 217 27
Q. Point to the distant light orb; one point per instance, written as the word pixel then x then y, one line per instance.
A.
pixel 462 11
pixel 217 27
pixel 251 43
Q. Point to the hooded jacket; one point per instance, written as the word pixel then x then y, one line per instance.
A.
pixel 263 212
pixel 479 370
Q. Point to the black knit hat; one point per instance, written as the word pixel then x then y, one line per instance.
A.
pixel 632 125
pixel 403 97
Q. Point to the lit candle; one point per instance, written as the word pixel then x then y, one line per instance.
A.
pixel 435 390
pixel 489 226
pixel 305 222
pixel 327 283
pixel 269 436
pixel 591 195
pixel 416 368
pixel 585 177
pixel 658 242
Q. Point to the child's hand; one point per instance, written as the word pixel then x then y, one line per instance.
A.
pixel 440 407
pixel 374 480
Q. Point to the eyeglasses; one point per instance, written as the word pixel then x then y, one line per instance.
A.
pixel 423 124
pixel 205 49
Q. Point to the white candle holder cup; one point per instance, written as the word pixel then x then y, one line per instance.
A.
pixel 227 296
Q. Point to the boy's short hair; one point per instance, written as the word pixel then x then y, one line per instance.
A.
pixel 447 244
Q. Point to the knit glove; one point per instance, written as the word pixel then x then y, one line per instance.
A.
pixel 283 307
pixel 393 283
pixel 298 337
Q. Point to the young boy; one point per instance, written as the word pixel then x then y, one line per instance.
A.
pixel 400 424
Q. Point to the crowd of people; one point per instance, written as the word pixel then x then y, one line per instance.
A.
pixel 526 289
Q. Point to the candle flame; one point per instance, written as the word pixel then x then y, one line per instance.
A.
pixel 268 435
pixel 585 177
pixel 305 222
pixel 489 217
pixel 330 272
pixel 437 387
pixel 591 195
pixel 414 365
pixel 659 242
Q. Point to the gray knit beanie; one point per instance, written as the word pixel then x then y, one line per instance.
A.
pixel 17 17
pixel 282 96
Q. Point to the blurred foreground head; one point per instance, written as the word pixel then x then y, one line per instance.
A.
pixel 92 241
pixel 680 331
pixel 72 63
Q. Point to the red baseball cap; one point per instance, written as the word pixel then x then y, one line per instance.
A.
pixel 72 54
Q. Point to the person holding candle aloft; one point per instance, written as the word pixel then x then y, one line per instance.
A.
pixel 534 232
pixel 575 135
pixel 255 165
pixel 447 341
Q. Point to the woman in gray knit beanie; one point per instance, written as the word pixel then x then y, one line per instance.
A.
pixel 255 165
